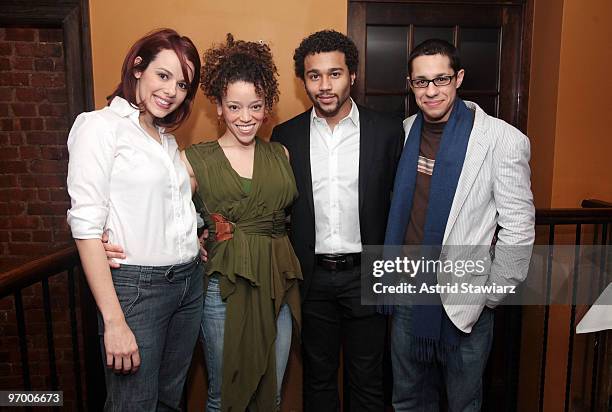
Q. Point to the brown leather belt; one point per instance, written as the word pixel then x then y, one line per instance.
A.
pixel 224 229
pixel 338 262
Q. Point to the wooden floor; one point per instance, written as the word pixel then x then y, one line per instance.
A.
pixel 292 387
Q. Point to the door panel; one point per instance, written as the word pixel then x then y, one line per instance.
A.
pixel 488 37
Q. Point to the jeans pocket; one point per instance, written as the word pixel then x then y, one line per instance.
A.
pixel 128 291
pixel 128 294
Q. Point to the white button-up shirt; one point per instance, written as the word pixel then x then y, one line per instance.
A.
pixel 123 181
pixel 334 163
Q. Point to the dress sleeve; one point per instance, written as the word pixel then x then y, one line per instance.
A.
pixel 91 147
pixel 279 149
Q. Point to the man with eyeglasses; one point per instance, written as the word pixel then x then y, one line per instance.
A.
pixel 461 175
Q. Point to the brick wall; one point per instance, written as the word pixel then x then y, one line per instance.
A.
pixel 33 157
pixel 33 200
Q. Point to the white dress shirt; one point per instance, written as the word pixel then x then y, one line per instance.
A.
pixel 334 163
pixel 121 180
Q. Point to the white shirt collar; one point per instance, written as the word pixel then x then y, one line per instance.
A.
pixel 122 107
pixel 125 109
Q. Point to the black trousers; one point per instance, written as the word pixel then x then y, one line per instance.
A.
pixel 333 317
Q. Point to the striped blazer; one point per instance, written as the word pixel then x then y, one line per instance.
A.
pixel 494 189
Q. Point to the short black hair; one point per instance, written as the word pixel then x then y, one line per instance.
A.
pixel 326 41
pixel 432 47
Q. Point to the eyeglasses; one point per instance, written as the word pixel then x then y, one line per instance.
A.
pixel 438 81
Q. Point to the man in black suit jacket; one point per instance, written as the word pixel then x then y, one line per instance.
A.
pixel 344 158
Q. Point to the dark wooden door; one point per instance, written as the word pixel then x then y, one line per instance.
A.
pixel 489 37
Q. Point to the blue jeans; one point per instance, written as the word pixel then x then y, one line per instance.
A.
pixel 213 328
pixel 416 386
pixel 162 307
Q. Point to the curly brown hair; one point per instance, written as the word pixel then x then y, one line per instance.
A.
pixel 239 60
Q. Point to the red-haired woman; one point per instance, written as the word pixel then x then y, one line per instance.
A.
pixel 126 177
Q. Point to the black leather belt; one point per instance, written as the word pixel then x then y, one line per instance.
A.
pixel 338 262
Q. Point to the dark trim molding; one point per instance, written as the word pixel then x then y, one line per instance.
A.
pixel 525 66
pixel 356 30
pixel 73 17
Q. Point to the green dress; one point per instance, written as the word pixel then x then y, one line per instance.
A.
pixel 258 269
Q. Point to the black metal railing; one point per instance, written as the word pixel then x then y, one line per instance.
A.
pixel 89 394
pixel 598 214
pixel 13 283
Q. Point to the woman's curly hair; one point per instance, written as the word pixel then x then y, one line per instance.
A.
pixel 239 60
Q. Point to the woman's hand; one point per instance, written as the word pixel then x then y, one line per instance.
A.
pixel 122 353
pixel 120 344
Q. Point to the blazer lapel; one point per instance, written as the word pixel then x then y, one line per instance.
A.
pixel 303 172
pixel 476 153
pixel 366 151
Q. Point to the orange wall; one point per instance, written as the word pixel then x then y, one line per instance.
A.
pixel 569 102
pixel 583 148
pixel 116 24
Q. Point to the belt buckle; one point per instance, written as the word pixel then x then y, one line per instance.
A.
pixel 331 265
pixel 340 264
pixel 335 265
